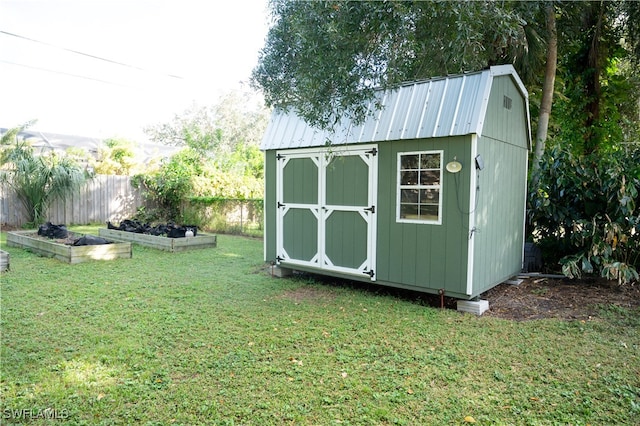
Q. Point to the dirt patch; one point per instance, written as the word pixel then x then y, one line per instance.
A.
pixel 537 298
pixel 533 298
pixel 307 294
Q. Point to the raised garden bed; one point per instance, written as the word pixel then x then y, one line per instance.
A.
pixel 64 251
pixel 4 261
pixel 200 241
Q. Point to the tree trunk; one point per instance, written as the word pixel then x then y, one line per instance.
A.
pixel 595 64
pixel 549 82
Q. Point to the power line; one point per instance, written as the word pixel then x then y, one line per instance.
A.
pixel 86 54
pixel 66 73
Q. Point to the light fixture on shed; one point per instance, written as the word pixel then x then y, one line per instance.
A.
pixel 454 166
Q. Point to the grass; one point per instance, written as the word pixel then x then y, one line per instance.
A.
pixel 208 337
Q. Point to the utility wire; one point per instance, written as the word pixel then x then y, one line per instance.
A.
pixel 86 54
pixel 66 73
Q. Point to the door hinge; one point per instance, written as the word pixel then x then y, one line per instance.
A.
pixel 370 273
pixel 371 209
pixel 373 151
pixel 280 204
pixel 279 156
pixel 279 259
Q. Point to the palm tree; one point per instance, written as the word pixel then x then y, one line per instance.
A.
pixel 37 180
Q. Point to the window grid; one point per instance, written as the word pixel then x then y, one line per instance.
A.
pixel 419 187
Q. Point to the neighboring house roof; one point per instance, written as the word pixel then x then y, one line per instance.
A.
pixel 447 106
pixel 43 141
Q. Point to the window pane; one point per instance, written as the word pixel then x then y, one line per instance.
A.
pixel 429 212
pixel 419 185
pixel 409 162
pixel 409 196
pixel 430 161
pixel 430 177
pixel 409 211
pixel 429 196
pixel 409 178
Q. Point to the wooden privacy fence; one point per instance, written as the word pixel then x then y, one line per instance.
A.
pixel 106 197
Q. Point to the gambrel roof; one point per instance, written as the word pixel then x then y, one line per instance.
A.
pixel 449 106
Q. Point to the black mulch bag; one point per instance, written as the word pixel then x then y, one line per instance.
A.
pixel 50 230
pixel 90 240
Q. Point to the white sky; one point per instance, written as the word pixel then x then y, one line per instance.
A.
pixel 213 45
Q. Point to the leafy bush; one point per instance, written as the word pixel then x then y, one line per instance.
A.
pixel 582 211
pixel 228 215
pixel 170 185
pixel 187 174
pixel 115 157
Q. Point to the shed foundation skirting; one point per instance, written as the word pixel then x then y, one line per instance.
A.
pixel 477 307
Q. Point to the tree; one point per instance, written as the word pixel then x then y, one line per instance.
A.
pixel 194 128
pixel 37 180
pixel 549 81
pixel 326 58
pixel 597 74
pixel 116 157
pixel 215 131
pixel 220 155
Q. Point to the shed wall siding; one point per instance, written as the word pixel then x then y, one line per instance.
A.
pixel 502 124
pixel 499 239
pixel 424 256
pixel 270 206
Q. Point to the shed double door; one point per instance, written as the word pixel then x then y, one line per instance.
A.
pixel 326 209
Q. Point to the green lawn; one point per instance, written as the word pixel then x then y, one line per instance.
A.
pixel 208 337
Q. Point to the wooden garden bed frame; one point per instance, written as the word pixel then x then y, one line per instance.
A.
pixel 4 261
pixel 201 241
pixel 68 253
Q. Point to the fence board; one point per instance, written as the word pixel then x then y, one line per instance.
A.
pixel 106 197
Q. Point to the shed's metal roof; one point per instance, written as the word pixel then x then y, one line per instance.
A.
pixel 448 106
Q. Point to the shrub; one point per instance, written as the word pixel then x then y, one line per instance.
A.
pixel 187 175
pixel 170 185
pixel 582 212
pixel 228 215
pixel 37 180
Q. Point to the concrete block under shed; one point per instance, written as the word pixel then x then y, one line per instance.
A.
pixel 281 272
pixel 477 307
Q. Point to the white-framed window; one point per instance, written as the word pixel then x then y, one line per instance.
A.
pixel 419 195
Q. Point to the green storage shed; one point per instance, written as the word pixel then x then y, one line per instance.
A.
pixel 427 194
